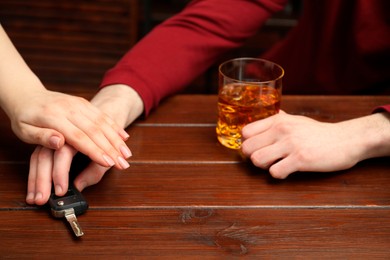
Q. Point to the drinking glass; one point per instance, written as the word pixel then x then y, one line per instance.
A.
pixel 249 89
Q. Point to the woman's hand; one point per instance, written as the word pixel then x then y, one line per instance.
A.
pixel 51 118
pixel 49 166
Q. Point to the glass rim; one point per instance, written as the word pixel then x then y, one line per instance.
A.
pixel 253 59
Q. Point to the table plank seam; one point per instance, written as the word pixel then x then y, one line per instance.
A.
pixel 220 207
pixel 174 125
pixel 139 162
pixel 216 207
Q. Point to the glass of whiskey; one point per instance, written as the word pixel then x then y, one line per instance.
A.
pixel 249 89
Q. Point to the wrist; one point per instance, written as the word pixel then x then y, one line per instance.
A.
pixel 375 135
pixel 120 102
pixel 22 91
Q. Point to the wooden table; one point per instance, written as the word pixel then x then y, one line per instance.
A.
pixel 187 196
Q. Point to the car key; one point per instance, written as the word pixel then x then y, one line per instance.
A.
pixel 68 206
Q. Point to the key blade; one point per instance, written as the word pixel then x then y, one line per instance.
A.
pixel 72 220
pixel 76 228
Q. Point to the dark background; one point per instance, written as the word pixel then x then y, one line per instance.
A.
pixel 69 44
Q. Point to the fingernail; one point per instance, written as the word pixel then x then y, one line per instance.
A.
pixel 124 134
pixel 125 151
pixel 123 163
pixel 54 142
pixel 38 196
pixel 30 197
pixel 58 189
pixel 108 160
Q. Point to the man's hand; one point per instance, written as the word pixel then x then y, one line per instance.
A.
pixel 286 143
pixel 48 166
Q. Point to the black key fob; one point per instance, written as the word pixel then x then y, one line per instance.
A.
pixel 69 206
pixel 72 199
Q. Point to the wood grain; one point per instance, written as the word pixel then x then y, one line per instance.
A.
pixel 200 233
pixel 71 44
pixel 181 183
pixel 186 196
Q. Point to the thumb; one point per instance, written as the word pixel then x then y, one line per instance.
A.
pixel 56 141
pixel 46 137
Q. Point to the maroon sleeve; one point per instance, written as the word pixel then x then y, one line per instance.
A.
pixel 184 46
pixel 383 108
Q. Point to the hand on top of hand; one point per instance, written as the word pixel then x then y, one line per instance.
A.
pixel 49 166
pixel 51 118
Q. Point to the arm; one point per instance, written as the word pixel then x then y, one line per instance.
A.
pixel 16 79
pixel 183 47
pixel 49 118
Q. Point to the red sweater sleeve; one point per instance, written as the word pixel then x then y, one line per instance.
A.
pixel 184 46
pixel 382 108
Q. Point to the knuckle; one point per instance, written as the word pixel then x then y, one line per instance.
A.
pixel 99 120
pixel 35 154
pixel 245 133
pixel 303 157
pixel 93 130
pixel 82 100
pixel 64 151
pixel 282 127
pixel 78 135
pixel 44 154
pixel 245 148
pixel 95 178
pixel 39 136
pixel 47 109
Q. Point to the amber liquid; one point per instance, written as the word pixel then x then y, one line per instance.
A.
pixel 240 104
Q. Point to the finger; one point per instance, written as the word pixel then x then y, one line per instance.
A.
pixel 284 168
pixel 110 130
pixel 257 127
pixel 125 136
pixel 62 162
pixel 46 137
pixel 32 174
pixel 90 176
pixel 71 122
pixel 43 177
pixel 257 142
pixel 265 157
pixel 117 129
pixel 86 145
pixel 89 139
